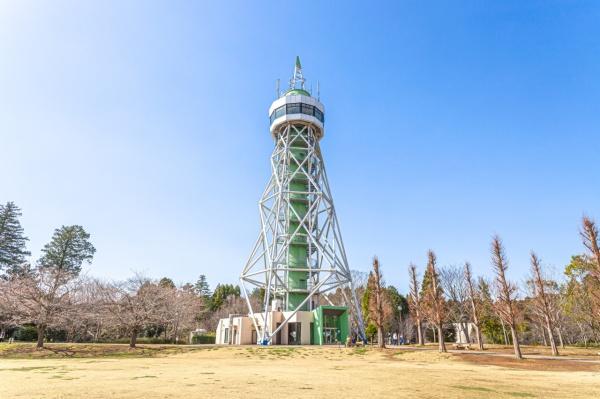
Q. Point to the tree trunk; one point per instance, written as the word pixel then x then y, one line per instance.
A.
pixel 543 336
pixel 464 327
pixel 479 337
pixel 420 332
pixel 515 340
pixel 380 339
pixel 433 330
pixel 504 332
pixel 41 331
pixel 176 333
pixel 96 333
pixel 551 337
pixel 560 337
pixel 442 344
pixel 133 339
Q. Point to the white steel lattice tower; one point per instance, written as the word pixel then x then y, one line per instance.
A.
pixel 299 253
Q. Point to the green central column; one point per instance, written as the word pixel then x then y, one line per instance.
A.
pixel 298 249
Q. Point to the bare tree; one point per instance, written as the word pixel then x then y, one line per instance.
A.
pixel 342 296
pixel 379 305
pixel 7 317
pixel 39 298
pixel 415 302
pixel 505 306
pixel 433 297
pixel 179 310
pixel 589 235
pixel 455 289
pixel 542 301
pixel 85 319
pixel 560 318
pixel 133 305
pixel 475 301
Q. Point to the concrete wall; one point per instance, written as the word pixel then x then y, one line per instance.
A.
pixel 300 317
pixel 239 331
pixel 242 327
pixel 220 332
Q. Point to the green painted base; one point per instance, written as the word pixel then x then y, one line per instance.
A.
pixel 330 325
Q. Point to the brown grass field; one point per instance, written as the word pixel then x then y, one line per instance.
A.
pixel 161 371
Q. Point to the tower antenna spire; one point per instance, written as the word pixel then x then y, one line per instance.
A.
pixel 297 77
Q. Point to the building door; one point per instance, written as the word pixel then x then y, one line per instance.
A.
pixel 312 333
pixel 254 337
pixel 278 335
pixel 294 333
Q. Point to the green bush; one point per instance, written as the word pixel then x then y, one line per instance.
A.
pixel 26 333
pixel 56 335
pixel 204 339
pixel 371 331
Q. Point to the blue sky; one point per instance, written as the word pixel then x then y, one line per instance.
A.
pixel 447 122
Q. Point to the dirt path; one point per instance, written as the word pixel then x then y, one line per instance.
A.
pixel 252 372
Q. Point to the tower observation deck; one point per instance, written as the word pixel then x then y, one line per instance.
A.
pixel 299 255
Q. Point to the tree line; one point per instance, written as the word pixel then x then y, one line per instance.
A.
pixel 542 310
pixel 52 298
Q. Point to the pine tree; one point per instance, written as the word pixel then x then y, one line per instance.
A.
pixel 12 241
pixel 222 292
pixel 201 287
pixel 68 249
pixel 490 324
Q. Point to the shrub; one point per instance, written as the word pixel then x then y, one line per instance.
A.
pixel 53 335
pixel 204 339
pixel 25 333
pixel 371 331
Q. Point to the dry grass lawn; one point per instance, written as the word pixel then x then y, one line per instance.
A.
pixel 72 371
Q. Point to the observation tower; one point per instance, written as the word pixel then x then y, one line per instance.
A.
pixel 299 254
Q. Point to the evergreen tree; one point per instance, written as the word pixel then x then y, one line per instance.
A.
pixel 399 306
pixel 258 294
pixel 201 287
pixel 578 303
pixel 68 249
pixel 490 324
pixel 222 292
pixel 12 241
